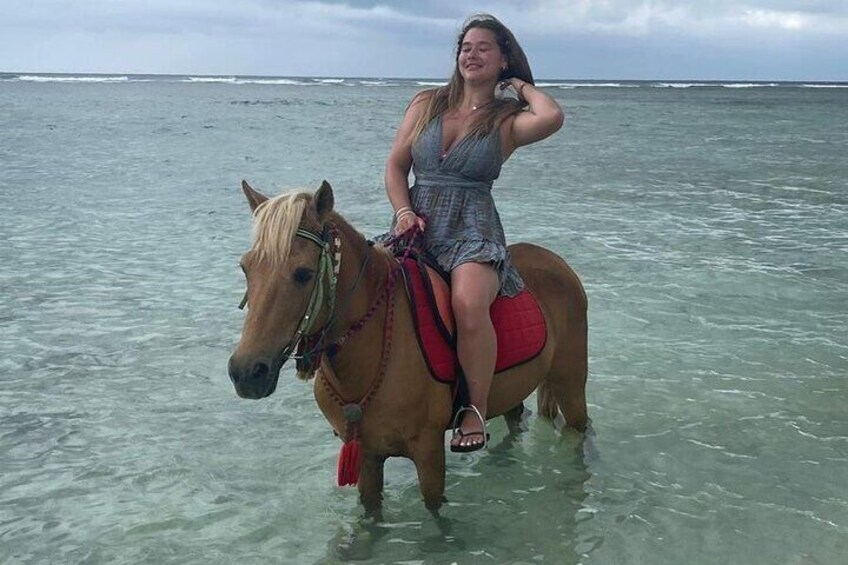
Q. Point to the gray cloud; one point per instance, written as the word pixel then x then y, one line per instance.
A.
pixel 414 38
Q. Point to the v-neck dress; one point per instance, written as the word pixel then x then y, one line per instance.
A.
pixel 453 192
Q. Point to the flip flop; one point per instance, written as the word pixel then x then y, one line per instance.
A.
pixel 458 433
pixel 460 448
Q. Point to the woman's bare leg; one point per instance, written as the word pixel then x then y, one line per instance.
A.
pixel 474 286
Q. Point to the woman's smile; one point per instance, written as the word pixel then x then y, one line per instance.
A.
pixel 480 52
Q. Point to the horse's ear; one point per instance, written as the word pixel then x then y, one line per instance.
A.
pixel 323 200
pixel 254 198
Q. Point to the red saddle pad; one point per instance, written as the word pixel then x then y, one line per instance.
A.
pixel 519 324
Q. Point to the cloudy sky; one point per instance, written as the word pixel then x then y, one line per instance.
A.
pixel 591 39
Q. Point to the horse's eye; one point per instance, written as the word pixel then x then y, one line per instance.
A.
pixel 303 275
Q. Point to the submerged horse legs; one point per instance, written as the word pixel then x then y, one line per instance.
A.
pixel 429 458
pixel 515 418
pixel 371 482
pixel 564 390
pixel 567 383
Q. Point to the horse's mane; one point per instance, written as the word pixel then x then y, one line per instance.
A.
pixel 275 222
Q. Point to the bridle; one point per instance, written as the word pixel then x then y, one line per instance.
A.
pixel 329 261
pixel 308 340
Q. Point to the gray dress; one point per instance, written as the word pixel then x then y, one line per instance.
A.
pixel 453 192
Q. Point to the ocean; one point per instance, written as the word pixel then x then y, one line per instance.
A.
pixel 707 220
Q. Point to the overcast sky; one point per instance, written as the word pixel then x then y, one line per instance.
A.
pixel 573 39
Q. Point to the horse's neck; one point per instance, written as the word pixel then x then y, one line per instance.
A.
pixel 357 286
pixel 364 272
pixel 363 276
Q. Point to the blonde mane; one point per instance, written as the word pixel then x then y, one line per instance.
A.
pixel 274 224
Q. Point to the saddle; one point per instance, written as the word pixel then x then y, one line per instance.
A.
pixel 519 323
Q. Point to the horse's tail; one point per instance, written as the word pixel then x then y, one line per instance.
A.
pixel 546 402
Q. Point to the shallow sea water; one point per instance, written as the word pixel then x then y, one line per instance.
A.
pixel 709 225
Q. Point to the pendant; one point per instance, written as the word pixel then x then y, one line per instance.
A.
pixel 352 413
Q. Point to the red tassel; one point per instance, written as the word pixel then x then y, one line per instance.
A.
pixel 350 459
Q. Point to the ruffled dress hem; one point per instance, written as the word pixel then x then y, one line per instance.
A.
pixel 451 255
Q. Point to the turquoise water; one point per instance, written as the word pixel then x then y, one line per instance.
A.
pixel 709 223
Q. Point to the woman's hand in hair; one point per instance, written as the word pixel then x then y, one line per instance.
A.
pixel 542 118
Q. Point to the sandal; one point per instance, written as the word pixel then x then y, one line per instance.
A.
pixel 458 433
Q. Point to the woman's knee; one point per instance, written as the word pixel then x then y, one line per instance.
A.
pixel 473 289
pixel 470 310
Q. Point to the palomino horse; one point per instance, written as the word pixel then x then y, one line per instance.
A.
pixel 310 273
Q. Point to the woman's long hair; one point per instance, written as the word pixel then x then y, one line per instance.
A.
pixel 448 97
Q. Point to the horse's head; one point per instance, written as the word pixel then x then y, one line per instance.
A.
pixel 285 269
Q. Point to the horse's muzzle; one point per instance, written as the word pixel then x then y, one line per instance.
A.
pixel 255 378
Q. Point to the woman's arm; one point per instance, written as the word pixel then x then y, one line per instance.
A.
pixel 541 119
pixel 399 163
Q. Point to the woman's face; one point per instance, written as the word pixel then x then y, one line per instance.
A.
pixel 480 59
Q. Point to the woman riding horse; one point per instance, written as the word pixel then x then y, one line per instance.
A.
pixel 456 138
pixel 313 279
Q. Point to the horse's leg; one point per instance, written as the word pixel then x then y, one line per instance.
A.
pixel 514 419
pixel 371 482
pixel 429 457
pixel 567 377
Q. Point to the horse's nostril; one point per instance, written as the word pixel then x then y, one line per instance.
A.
pixel 260 370
pixel 233 371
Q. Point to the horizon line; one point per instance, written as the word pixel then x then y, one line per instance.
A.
pixel 441 79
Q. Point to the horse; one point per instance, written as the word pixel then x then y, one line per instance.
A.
pixel 312 277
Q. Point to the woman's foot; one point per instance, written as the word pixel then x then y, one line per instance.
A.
pixel 471 435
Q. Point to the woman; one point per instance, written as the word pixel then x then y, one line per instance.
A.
pixel 455 138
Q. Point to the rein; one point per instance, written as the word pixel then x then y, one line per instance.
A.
pixel 388 296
